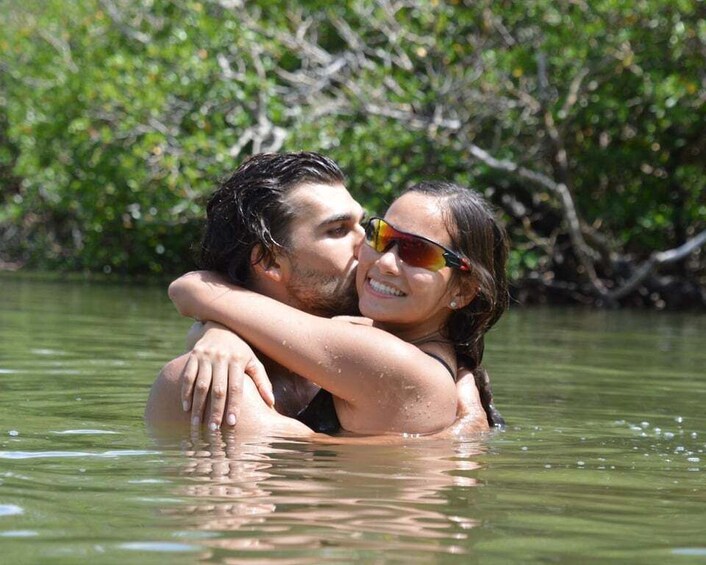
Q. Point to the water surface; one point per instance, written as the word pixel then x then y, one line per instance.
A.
pixel 602 461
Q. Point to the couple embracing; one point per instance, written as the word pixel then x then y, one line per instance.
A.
pixel 314 320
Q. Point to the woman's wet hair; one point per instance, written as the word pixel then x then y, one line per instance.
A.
pixel 476 233
pixel 250 208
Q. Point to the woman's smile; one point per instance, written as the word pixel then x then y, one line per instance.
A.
pixel 383 288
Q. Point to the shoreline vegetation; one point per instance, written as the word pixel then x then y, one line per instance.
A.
pixel 85 277
pixel 583 123
pixel 523 294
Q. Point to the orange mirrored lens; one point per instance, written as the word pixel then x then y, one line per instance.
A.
pixel 412 249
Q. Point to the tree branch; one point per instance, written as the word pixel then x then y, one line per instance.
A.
pixel 127 30
pixel 584 252
pixel 656 260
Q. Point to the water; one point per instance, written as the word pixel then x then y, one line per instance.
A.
pixel 603 460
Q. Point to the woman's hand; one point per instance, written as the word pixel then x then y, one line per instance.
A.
pixel 218 363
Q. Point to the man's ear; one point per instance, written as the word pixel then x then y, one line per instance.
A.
pixel 273 265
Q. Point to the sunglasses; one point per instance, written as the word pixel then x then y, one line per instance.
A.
pixel 414 250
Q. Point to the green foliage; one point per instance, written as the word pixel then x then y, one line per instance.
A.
pixel 118 117
pixel 118 133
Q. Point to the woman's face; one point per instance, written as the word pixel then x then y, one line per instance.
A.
pixel 395 293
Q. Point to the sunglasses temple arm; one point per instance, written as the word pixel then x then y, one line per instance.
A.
pixel 453 260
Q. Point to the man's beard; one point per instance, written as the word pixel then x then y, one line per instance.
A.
pixel 324 295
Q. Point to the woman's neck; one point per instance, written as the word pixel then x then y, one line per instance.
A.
pixel 433 336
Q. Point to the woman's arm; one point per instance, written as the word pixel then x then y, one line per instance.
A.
pixel 384 384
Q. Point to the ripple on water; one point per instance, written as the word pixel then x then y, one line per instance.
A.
pixel 83 432
pixel 59 454
pixel 52 352
pixel 159 546
pixel 10 510
pixel 19 534
pixel 695 551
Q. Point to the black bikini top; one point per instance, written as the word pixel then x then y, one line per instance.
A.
pixel 444 363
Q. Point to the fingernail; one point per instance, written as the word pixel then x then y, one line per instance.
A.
pixel 186 405
pixel 231 419
pixel 213 426
pixel 196 421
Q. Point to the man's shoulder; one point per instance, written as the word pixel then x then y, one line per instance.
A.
pixel 164 402
pixel 171 372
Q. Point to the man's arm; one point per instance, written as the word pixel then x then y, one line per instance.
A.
pixel 470 414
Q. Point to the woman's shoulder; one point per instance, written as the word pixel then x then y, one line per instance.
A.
pixel 443 353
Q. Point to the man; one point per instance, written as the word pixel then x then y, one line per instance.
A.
pixel 283 225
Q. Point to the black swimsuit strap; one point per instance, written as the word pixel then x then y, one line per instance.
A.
pixel 444 363
pixel 320 414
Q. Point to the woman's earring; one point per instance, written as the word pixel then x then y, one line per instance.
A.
pixel 453 305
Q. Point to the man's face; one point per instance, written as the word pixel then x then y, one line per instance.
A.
pixel 324 240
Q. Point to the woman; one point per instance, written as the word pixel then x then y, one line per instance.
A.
pixel 431 282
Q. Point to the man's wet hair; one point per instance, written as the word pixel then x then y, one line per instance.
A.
pixel 250 208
